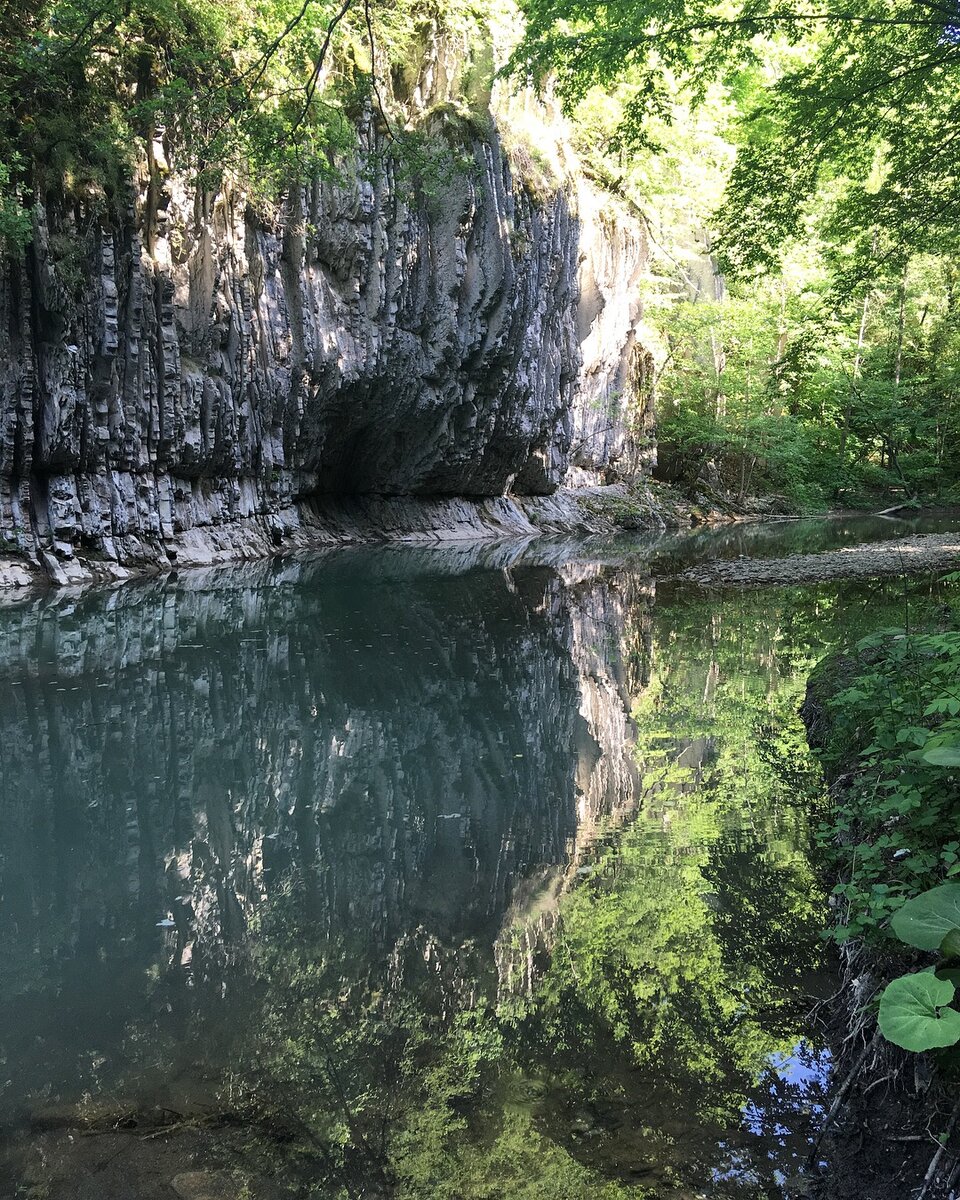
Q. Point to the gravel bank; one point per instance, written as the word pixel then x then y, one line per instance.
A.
pixel 911 555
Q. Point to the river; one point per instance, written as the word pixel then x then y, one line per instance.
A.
pixel 485 871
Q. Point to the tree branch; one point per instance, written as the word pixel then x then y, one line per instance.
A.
pixel 312 83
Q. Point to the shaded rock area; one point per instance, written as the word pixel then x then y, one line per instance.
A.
pixel 106 1164
pixel 208 368
pixel 912 555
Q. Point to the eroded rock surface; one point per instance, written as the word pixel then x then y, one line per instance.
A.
pixel 203 367
pixel 182 382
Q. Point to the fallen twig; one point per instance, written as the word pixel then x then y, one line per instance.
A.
pixel 931 1174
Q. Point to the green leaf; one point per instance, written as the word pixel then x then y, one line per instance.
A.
pixel 947 755
pixel 912 1013
pixel 927 919
pixel 950 946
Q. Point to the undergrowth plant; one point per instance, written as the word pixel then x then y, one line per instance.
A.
pixel 898 824
pixel 915 1009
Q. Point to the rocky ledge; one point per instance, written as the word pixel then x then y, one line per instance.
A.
pixel 326 522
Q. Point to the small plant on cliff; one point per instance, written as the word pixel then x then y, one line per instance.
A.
pixel 15 222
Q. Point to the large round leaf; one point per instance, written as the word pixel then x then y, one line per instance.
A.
pixel 945 755
pixel 912 1013
pixel 926 920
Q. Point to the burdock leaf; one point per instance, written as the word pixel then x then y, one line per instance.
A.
pixel 913 1016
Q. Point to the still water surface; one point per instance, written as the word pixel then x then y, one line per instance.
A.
pixel 429 874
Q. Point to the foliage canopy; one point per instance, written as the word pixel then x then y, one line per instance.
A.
pixel 864 91
pixel 818 362
pixel 266 93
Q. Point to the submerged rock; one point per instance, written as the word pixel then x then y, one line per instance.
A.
pixel 222 1185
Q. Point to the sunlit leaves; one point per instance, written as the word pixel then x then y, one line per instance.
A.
pixel 946 754
pixel 870 100
pixel 913 1008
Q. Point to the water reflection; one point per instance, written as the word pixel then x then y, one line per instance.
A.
pixel 181 753
pixel 808 535
pixel 433 876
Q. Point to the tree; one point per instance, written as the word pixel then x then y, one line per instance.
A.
pixel 87 86
pixel 265 93
pixel 868 93
pixel 823 369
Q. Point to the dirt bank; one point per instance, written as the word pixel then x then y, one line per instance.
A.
pixel 910 555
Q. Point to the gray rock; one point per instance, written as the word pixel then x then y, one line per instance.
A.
pixel 184 383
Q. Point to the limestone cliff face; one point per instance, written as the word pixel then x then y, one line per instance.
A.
pixel 194 366
pixel 211 368
pixel 613 418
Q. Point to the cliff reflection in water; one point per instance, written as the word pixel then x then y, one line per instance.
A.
pixel 413 867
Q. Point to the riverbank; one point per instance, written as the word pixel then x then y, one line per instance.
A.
pixel 645 508
pixel 903 556
pixel 892 1126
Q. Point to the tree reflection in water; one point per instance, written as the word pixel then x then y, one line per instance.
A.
pixel 423 877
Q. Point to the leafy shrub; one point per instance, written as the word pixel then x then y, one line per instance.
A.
pixel 900 712
pixel 898 821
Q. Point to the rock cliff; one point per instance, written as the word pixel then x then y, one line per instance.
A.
pixel 613 413
pixel 191 380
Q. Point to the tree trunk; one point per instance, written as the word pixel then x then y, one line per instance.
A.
pixel 901 313
pixel 857 363
pixel 854 375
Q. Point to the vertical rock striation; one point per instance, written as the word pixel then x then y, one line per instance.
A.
pixel 202 367
pixel 186 381
pixel 613 417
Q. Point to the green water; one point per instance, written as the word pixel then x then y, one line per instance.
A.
pixel 433 874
